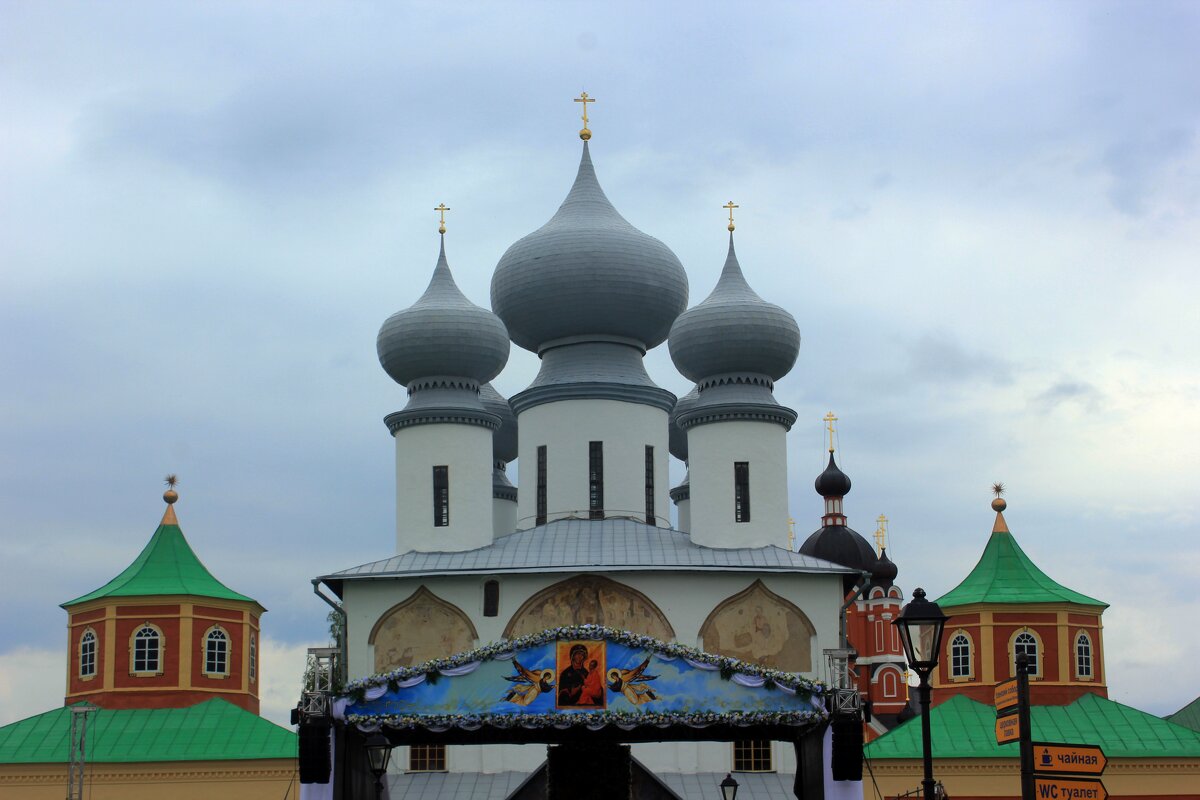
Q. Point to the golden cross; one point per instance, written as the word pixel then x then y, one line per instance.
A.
pixel 441 208
pixel 731 207
pixel 829 420
pixel 585 134
pixel 881 533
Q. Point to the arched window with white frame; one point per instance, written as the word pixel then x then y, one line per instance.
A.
pixel 253 657
pixel 1025 643
pixel 960 656
pixel 1083 657
pixel 147 650
pixel 216 652
pixel 87 654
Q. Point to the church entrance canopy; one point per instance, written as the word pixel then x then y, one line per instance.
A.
pixel 584 683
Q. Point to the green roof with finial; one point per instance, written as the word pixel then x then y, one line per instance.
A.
pixel 1005 574
pixel 166 566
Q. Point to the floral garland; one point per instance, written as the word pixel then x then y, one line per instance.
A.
pixel 356 689
pixel 597 719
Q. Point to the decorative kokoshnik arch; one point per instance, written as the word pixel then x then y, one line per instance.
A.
pixel 583 683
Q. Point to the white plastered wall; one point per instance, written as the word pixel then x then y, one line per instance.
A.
pixel 566 428
pixel 712 451
pixel 685 598
pixel 504 516
pixel 467 452
pixel 684 508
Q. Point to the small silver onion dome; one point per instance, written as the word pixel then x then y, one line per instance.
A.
pixel 677 436
pixel 587 272
pixel 504 440
pixel 443 333
pixel 734 330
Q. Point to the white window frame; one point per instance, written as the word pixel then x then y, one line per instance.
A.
pixel 225 656
pixel 160 643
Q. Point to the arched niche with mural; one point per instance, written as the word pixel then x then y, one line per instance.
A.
pixel 587 599
pixel 418 629
pixel 759 626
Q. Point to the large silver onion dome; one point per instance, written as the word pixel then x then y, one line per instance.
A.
pixel 734 330
pixel 443 333
pixel 587 272
pixel 504 440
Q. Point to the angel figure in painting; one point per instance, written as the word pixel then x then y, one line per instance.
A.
pixel 527 684
pixel 632 683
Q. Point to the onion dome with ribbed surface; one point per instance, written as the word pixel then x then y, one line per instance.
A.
pixel 677 436
pixel 443 333
pixel 734 331
pixel 832 482
pixel 587 273
pixel 504 440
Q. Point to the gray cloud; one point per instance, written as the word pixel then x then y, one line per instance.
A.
pixel 938 358
pixel 1141 163
pixel 1082 393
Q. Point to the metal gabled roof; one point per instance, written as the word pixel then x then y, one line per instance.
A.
pixel 215 730
pixel 598 545
pixel 964 728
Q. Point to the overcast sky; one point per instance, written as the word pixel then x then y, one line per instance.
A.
pixel 983 217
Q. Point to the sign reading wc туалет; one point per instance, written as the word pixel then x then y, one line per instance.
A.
pixel 1053 787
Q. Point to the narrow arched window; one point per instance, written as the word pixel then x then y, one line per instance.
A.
pixel 87 654
pixel 1083 655
pixel 147 650
pixel 253 657
pixel 216 652
pixel 1025 643
pixel 960 656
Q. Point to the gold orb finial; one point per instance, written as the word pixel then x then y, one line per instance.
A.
pixel 170 495
pixel 730 205
pixel 441 208
pixel 584 133
pixel 998 504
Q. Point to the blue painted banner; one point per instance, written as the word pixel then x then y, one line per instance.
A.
pixel 588 678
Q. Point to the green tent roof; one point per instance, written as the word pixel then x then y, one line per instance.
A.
pixel 166 565
pixel 1005 574
pixel 964 728
pixel 215 730
pixel 1188 716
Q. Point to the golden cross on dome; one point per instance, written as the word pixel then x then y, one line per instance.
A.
pixel 585 134
pixel 730 205
pixel 881 533
pixel 441 208
pixel 829 420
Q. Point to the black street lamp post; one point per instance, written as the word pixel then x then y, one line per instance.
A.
pixel 379 753
pixel 921 623
pixel 729 788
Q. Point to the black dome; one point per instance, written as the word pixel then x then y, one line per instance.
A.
pixel 885 570
pixel 832 482
pixel 841 545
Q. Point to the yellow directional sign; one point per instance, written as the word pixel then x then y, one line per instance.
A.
pixel 1005 696
pixel 1049 787
pixel 1072 759
pixel 1008 729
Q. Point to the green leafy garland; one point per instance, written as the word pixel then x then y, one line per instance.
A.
pixel 356 689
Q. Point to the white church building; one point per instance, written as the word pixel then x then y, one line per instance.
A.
pixel 585 535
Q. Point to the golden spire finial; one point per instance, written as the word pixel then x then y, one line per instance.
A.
pixel 730 205
pixel 829 420
pixel 998 505
pixel 585 134
pixel 170 495
pixel 881 533
pixel 441 208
